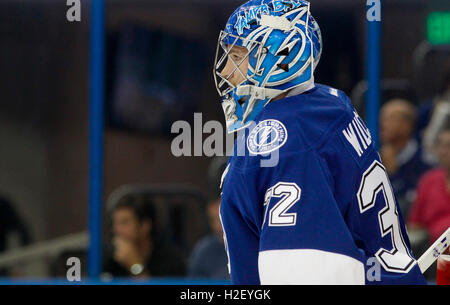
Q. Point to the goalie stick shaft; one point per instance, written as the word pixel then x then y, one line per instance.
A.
pixel 431 255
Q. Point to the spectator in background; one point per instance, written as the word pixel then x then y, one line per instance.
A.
pixel 11 223
pixel 431 209
pixel 428 108
pixel 432 117
pixel 400 151
pixel 209 259
pixel 137 249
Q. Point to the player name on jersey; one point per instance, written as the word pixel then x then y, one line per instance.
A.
pixel 358 135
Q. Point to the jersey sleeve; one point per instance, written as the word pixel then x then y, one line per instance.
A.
pixel 368 205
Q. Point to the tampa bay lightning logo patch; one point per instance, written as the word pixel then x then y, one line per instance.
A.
pixel 266 137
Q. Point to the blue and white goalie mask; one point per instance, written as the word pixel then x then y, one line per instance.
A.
pixel 268 47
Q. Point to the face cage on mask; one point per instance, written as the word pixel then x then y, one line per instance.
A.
pixel 224 81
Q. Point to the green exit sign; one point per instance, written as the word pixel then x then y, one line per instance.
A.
pixel 438 27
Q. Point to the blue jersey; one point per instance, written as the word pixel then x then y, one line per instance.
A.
pixel 306 199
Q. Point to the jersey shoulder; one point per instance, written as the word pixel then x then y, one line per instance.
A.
pixel 310 116
pixel 293 125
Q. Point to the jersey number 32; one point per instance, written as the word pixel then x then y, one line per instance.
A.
pixel 374 181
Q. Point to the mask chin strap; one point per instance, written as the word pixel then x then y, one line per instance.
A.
pixel 256 94
pixel 267 94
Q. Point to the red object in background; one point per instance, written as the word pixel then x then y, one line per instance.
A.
pixel 431 209
pixel 443 269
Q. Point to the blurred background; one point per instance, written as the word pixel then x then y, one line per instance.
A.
pixel 158 69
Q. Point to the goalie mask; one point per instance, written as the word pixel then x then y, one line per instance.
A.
pixel 268 47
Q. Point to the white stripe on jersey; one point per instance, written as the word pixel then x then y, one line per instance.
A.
pixel 309 267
